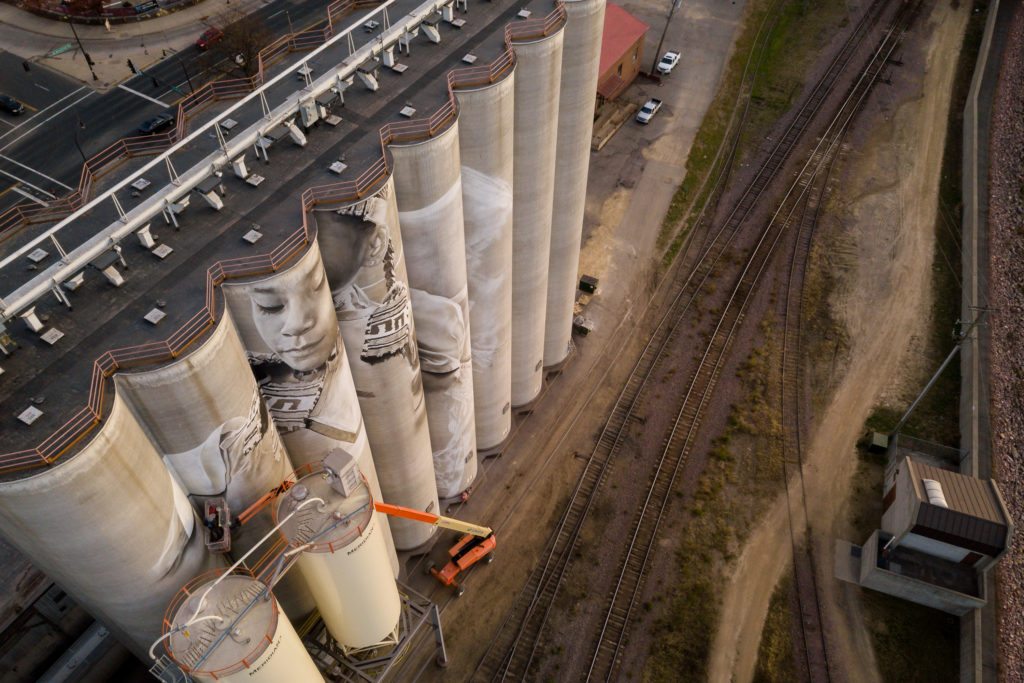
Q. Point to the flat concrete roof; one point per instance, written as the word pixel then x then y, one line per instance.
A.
pixel 55 378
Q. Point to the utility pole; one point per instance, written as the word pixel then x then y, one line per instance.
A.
pixel 88 59
pixel 188 78
pixel 959 342
pixel 79 146
pixel 81 124
pixel 661 41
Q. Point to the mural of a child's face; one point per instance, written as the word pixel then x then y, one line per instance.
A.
pixel 348 244
pixel 294 315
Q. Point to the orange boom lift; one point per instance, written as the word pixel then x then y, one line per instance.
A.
pixel 476 543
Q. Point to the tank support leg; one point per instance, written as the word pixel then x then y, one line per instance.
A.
pixel 435 619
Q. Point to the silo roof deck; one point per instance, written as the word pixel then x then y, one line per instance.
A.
pixel 105 318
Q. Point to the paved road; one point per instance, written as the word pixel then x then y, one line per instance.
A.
pixel 65 122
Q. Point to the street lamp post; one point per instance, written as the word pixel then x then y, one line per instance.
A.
pixel 79 146
pixel 81 125
pixel 88 59
pixel 188 78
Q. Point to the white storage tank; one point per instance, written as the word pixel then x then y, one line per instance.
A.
pixel 342 552
pixel 537 87
pixel 205 415
pixel 365 261
pixel 485 145
pixel 428 187
pixel 581 57
pixel 287 323
pixel 108 523
pixel 229 628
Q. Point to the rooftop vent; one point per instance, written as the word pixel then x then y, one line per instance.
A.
pixel 933 490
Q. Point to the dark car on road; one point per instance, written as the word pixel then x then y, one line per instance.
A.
pixel 11 105
pixel 157 124
pixel 209 37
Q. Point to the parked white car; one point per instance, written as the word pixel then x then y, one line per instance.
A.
pixel 668 62
pixel 648 110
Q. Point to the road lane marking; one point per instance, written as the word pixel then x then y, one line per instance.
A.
pixel 143 96
pixel 42 86
pixel 34 198
pixel 34 187
pixel 47 107
pixel 30 130
pixel 39 173
pixel 8 189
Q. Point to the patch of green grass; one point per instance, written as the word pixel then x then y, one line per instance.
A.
pixel 684 634
pixel 912 643
pixel 776 661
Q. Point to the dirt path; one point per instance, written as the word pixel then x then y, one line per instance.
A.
pixel 888 208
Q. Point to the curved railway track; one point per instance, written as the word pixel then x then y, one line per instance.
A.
pixel 511 653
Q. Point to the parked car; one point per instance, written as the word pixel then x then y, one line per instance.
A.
pixel 209 37
pixel 157 124
pixel 648 110
pixel 11 105
pixel 668 62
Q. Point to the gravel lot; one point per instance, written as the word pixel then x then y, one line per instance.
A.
pixel 1006 228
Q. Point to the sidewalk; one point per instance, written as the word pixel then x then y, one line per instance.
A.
pixel 33 38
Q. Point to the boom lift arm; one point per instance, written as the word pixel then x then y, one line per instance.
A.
pixel 435 520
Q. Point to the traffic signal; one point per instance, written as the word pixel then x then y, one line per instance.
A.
pixel 132 67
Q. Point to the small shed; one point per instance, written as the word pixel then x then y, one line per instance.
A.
pixel 946 514
pixel 622 51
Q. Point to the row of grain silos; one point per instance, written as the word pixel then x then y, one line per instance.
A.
pixel 403 334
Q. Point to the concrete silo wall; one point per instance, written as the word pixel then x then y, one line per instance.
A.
pixel 205 416
pixel 429 193
pixel 110 525
pixel 581 56
pixel 485 143
pixel 289 329
pixel 538 76
pixel 365 261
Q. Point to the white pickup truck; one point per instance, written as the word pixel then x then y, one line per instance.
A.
pixel 648 111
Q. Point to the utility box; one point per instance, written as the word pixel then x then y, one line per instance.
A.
pixel 582 326
pixel 588 284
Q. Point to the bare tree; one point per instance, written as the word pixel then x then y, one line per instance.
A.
pixel 236 52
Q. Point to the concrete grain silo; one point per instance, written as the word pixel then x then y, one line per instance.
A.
pixel 538 78
pixel 581 56
pixel 485 144
pixel 365 261
pixel 229 628
pixel 330 522
pixel 289 329
pixel 109 524
pixel 429 192
pixel 205 416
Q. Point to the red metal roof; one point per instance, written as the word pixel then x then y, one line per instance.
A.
pixel 621 30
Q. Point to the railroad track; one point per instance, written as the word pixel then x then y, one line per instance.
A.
pixel 812 646
pixel 681 438
pixel 511 653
